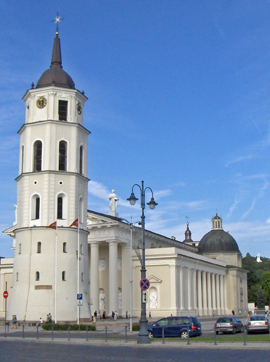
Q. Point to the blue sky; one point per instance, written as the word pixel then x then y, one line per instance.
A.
pixel 179 96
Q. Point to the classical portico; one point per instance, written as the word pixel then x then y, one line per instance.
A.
pixel 182 281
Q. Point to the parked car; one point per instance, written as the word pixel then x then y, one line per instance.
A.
pixel 175 327
pixel 228 324
pixel 258 323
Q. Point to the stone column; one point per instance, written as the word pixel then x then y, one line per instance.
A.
pixel 125 279
pixel 189 288
pixel 222 293
pixel 218 294
pixel 113 277
pixel 194 302
pixel 199 283
pixel 181 289
pixel 209 294
pixel 214 305
pixel 173 289
pixel 204 292
pixel 94 277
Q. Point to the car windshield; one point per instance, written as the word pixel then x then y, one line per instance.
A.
pixel 257 318
pixel 224 320
pixel 162 322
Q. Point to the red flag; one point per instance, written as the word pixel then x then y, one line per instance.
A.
pixel 53 225
pixel 75 223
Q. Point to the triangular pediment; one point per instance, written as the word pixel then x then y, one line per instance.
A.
pixel 153 279
pixel 98 220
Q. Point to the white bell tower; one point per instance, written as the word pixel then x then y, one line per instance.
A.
pixel 51 265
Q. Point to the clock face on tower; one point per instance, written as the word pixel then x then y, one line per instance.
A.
pixel 41 102
pixel 79 108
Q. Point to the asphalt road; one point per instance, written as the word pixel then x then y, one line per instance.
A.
pixel 16 351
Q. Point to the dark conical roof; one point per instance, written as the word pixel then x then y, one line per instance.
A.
pixel 55 75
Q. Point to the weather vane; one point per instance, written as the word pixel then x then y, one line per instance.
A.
pixel 56 21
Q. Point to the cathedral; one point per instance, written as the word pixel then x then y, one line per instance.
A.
pixel 70 261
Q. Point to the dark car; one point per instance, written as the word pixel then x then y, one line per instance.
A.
pixel 228 324
pixel 258 323
pixel 175 327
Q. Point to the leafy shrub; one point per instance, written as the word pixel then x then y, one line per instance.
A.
pixel 64 327
pixel 135 327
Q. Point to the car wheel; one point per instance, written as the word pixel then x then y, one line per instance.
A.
pixel 151 335
pixel 248 332
pixel 242 330
pixel 184 334
pixel 216 332
pixel 234 331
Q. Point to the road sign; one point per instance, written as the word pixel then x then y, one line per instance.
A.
pixel 144 284
pixel 5 294
pixel 145 296
pixel 79 300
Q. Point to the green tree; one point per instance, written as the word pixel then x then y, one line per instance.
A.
pixel 266 285
pixel 260 299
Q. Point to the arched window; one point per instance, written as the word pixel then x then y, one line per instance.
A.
pixel 81 160
pixel 20 249
pixel 39 247
pixel 59 207
pixel 62 166
pixel 35 212
pixel 37 156
pixel 37 276
pixel 63 275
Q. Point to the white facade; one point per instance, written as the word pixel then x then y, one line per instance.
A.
pixel 51 266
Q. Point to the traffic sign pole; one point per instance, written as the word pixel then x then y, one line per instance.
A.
pixel 5 296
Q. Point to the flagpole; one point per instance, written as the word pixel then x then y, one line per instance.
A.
pixel 78 274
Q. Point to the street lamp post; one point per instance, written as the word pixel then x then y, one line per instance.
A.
pixel 143 336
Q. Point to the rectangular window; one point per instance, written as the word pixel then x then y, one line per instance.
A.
pixel 20 248
pixel 63 276
pixel 81 249
pixel 64 247
pixel 82 277
pixel 39 247
pixel 62 110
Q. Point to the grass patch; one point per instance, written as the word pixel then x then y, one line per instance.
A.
pixel 64 327
pixel 249 338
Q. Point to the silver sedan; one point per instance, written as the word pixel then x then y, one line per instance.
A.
pixel 258 323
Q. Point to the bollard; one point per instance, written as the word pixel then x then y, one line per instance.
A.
pixel 69 333
pixel 87 333
pixel 163 342
pixel 125 334
pixel 37 332
pixel 245 343
pixel 188 337
pixel 23 331
pixel 106 334
pixel 215 331
pixel 52 333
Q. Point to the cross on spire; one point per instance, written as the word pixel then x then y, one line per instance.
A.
pixel 56 21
